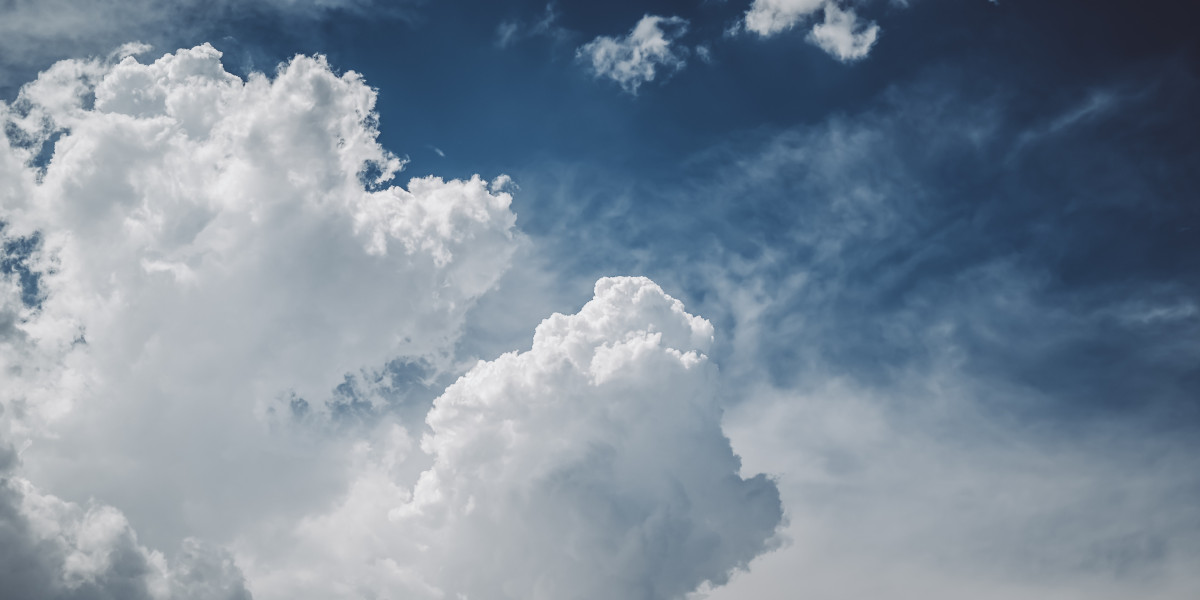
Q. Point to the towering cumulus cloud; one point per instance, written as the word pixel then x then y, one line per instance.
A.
pixel 190 256
pixel 592 466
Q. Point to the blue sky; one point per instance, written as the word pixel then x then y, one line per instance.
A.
pixel 914 295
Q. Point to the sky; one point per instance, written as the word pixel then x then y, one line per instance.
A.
pixel 704 299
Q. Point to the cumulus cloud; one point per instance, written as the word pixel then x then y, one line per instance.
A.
pixel 591 466
pixel 211 253
pixel 841 34
pixel 639 56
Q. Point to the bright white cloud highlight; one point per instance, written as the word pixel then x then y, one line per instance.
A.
pixel 592 466
pixel 639 56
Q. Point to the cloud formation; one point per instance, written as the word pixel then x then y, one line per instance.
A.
pixel 591 466
pixel 841 34
pixel 210 255
pixel 641 55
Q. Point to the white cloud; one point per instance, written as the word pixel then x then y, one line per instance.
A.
pixel 211 249
pixel 638 57
pixel 591 466
pixel 842 35
pixel 769 17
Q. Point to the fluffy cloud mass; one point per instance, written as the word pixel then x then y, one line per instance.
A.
pixel 239 220
pixel 192 264
pixel 637 58
pixel 190 256
pixel 591 466
pixel 841 34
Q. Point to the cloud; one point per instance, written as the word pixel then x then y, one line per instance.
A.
pixel 591 466
pixel 638 57
pixel 770 17
pixel 59 550
pixel 213 254
pixel 841 34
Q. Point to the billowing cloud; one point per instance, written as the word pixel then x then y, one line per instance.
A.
pixel 841 34
pixel 212 254
pixel 591 466
pixel 639 56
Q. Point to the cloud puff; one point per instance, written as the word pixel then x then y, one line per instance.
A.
pixel 34 33
pixel 591 466
pixel 636 58
pixel 841 34
pixel 210 252
pixel 769 17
